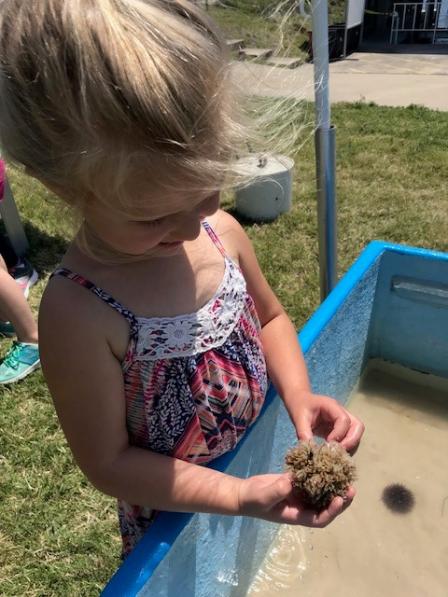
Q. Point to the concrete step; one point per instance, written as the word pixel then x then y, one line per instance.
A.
pixel 255 53
pixel 235 44
pixel 285 62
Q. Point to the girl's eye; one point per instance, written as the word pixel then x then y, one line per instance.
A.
pixel 150 223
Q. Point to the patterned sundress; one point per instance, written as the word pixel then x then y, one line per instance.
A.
pixel 193 383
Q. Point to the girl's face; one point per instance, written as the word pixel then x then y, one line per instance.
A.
pixel 161 235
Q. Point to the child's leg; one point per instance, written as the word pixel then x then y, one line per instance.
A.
pixel 14 308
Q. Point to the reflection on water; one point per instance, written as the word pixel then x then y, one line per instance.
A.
pixel 285 564
pixel 228 577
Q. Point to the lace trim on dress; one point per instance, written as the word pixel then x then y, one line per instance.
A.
pixel 208 328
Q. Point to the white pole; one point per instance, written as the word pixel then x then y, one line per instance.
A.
pixel 325 151
pixel 320 61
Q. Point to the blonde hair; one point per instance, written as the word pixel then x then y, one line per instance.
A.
pixel 98 97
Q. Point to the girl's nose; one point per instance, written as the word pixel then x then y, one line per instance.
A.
pixel 189 227
pixel 209 206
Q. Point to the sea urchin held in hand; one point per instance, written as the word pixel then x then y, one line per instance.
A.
pixel 320 473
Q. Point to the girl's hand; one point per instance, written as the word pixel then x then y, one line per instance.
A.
pixel 325 417
pixel 272 497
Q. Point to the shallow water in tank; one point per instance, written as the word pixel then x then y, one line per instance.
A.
pixel 372 549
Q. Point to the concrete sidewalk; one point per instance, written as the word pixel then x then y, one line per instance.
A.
pixel 386 79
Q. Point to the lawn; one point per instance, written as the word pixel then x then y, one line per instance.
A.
pixel 262 29
pixel 59 536
pixel 267 24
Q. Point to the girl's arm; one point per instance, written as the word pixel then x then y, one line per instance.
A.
pixel 311 414
pixel 86 383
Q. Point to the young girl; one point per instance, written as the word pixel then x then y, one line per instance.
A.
pixel 158 331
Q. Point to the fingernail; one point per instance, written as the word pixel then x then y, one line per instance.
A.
pixel 340 502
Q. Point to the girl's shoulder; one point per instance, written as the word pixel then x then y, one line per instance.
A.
pixel 222 222
pixel 230 233
pixel 66 305
pixel 67 311
pixel 62 298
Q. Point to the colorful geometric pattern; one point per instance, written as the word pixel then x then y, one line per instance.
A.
pixel 196 401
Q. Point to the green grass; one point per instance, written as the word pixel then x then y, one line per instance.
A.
pixel 261 30
pixel 262 26
pixel 59 536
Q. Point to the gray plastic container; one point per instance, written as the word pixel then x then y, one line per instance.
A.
pixel 269 194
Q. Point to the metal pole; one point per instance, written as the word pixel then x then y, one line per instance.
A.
pixel 325 152
pixel 392 26
pixel 11 219
pixel 344 51
pixel 435 23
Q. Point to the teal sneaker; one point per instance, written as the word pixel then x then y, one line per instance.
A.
pixel 7 329
pixel 20 360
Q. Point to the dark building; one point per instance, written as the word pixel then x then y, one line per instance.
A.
pixel 394 23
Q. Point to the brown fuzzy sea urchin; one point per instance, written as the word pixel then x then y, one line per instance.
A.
pixel 320 473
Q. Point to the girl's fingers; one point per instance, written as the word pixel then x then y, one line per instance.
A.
pixel 341 427
pixel 325 417
pixel 304 432
pixel 348 498
pixel 311 518
pixel 337 506
pixel 353 437
pixel 308 518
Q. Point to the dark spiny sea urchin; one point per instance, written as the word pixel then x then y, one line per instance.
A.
pixel 320 473
pixel 398 498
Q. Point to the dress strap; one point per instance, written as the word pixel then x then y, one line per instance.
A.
pixel 99 292
pixel 214 237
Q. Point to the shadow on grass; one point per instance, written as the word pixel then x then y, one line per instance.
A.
pixel 45 250
pixel 246 222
